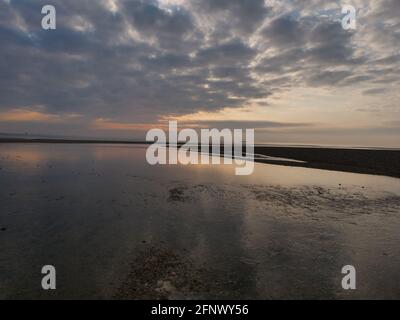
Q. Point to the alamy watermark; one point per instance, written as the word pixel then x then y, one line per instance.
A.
pixel 49 280
pixel 49 21
pixel 349 280
pixel 185 147
pixel 349 21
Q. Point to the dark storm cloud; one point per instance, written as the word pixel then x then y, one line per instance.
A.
pixel 146 59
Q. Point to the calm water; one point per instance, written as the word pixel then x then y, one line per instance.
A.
pixel 91 210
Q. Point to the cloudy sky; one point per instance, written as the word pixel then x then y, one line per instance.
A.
pixel 116 68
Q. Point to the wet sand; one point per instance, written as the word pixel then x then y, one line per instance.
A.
pixel 379 162
pixel 115 227
pixel 290 270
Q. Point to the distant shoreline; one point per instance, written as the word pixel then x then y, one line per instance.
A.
pixel 55 140
pixel 368 161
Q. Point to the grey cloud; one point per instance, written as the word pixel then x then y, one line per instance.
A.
pixel 172 29
pixel 200 56
pixel 374 91
pixel 165 62
pixel 231 72
pixel 388 60
pixel 357 79
pixel 319 40
pixel 327 78
pixel 229 53
pixel 240 15
pixel 311 50
pixel 284 61
pixel 232 124
pixel 332 45
pixel 285 31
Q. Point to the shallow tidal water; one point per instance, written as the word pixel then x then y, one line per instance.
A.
pixel 116 227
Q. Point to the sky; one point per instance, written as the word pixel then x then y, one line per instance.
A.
pixel 117 68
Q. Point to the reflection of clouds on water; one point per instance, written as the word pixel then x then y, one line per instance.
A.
pixel 264 236
pixel 289 235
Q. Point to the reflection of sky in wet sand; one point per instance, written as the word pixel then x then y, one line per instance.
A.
pixel 280 233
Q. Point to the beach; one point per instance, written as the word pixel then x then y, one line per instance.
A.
pixel 115 227
pixel 360 160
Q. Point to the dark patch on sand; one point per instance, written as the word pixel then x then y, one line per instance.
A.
pixel 161 273
pixel 177 194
